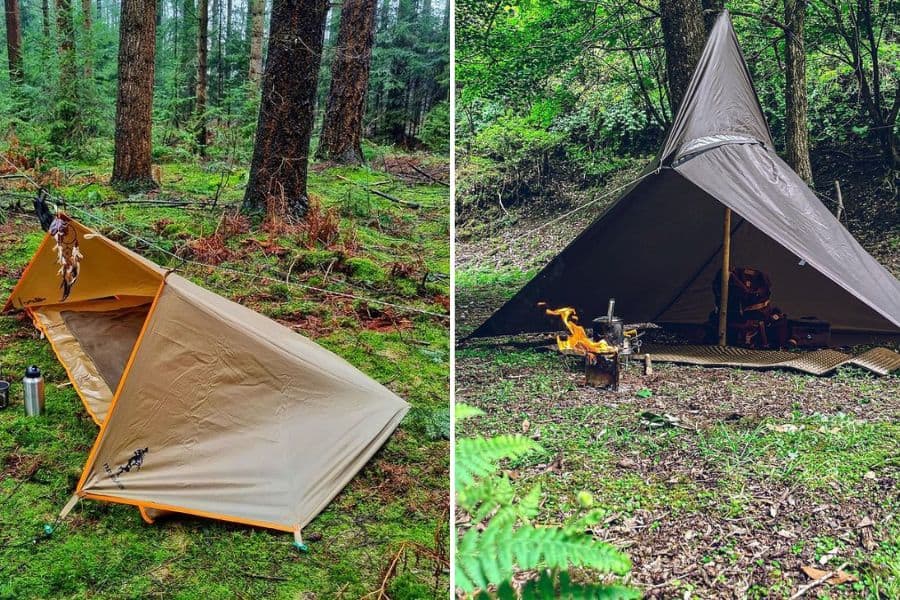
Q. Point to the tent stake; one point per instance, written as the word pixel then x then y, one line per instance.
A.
pixel 726 271
pixel 840 200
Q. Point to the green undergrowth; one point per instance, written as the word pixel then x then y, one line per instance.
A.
pixel 712 466
pixel 384 251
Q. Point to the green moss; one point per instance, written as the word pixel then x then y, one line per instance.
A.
pixel 365 270
pixel 105 550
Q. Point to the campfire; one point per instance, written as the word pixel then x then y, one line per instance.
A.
pixel 601 358
pixel 578 341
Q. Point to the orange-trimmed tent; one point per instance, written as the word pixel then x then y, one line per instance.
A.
pixel 205 407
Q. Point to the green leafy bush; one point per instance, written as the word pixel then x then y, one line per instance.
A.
pixel 502 538
pixel 435 132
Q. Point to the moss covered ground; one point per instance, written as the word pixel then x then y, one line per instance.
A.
pixel 364 245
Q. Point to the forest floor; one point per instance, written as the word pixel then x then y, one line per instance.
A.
pixel 367 246
pixel 768 472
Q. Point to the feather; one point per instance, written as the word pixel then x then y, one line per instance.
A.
pixel 68 254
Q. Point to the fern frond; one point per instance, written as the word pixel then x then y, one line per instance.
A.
pixel 495 554
pixel 464 411
pixel 485 496
pixel 560 549
pixel 479 456
pixel 550 585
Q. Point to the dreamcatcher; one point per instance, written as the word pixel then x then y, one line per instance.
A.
pixel 68 255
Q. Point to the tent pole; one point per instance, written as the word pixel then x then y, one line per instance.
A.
pixel 726 271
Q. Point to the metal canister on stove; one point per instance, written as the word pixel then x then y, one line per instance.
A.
pixel 33 385
pixel 610 327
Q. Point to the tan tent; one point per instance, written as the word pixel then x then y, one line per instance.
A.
pixel 658 248
pixel 205 407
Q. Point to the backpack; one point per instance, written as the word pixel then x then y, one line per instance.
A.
pixel 753 322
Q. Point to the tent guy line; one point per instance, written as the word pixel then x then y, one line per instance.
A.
pixel 282 277
pixel 607 194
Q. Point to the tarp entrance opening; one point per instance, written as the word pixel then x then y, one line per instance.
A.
pixel 94 340
pixel 107 337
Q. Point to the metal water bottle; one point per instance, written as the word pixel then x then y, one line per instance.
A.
pixel 33 384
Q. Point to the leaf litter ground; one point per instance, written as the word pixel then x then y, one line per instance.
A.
pixel 766 472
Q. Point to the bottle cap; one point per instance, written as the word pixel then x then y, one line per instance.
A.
pixel 33 371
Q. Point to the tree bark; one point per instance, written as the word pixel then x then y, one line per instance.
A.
pixel 134 102
pixel 87 24
pixel 188 59
pixel 202 74
pixel 341 139
pixel 683 36
pixel 45 20
pixel 257 14
pixel 218 87
pixel 796 134
pixel 280 156
pixel 14 41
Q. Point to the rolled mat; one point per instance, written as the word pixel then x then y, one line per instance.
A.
pixel 818 362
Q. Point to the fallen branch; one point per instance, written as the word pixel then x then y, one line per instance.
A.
pixel 155 203
pixel 815 583
pixel 382 194
pixel 266 577
pixel 429 175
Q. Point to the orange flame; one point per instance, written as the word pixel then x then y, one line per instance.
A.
pixel 578 341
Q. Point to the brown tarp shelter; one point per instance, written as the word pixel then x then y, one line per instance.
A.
pixel 205 407
pixel 666 229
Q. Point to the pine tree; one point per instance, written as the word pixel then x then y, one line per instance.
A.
pixel 341 138
pixel 202 73
pixel 287 110
pixel 14 41
pixel 257 10
pixel 137 48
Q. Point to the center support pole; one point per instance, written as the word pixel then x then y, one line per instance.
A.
pixel 726 275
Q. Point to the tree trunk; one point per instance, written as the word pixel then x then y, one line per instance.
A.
pixel 287 110
pixel 683 38
pixel 883 116
pixel 14 41
pixel 134 102
pixel 796 135
pixel 200 95
pixel 188 59
pixel 218 88
pixel 88 49
pixel 396 115
pixel 257 14
pixel 228 32
pixel 341 139
pixel 67 127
